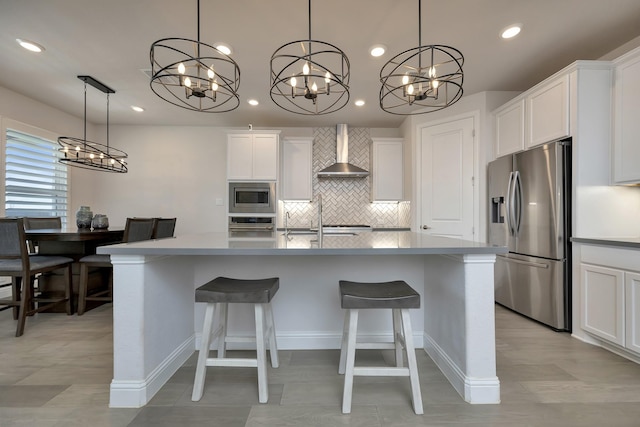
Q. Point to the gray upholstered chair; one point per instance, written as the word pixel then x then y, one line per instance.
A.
pixel 40 223
pixel 136 229
pixel 16 263
pixel 164 228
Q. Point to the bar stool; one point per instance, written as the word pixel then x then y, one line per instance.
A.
pixel 397 296
pixel 217 294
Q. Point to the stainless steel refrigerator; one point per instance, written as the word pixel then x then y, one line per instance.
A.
pixel 530 212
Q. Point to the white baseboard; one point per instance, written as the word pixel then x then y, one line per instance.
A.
pixel 472 390
pixel 311 341
pixel 136 394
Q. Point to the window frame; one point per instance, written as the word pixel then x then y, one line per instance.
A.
pixel 9 124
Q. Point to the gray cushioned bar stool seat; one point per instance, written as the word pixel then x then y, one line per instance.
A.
pixel 217 294
pixel 399 297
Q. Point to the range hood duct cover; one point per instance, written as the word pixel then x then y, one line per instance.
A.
pixel 342 168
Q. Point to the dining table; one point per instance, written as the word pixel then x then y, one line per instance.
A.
pixel 74 243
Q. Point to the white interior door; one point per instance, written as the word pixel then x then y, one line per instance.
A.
pixel 447 179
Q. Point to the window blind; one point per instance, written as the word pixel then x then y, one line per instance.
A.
pixel 35 182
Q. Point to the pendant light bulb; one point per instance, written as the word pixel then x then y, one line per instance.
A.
pixel 214 85
pixel 211 73
pixel 187 82
pixel 432 72
pixel 314 87
pixel 181 68
pixel 405 79
pixel 293 82
pixel 410 90
pixel 327 77
pixel 305 69
pixel 435 84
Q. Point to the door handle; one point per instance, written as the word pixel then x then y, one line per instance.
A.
pixel 528 263
pixel 425 227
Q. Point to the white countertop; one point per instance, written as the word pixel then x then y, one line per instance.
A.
pixel 367 243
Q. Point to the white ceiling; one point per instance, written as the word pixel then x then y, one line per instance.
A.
pixel 110 41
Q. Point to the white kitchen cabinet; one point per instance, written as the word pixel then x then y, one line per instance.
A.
pixel 387 171
pixel 610 295
pixel 602 293
pixel 547 111
pixel 509 122
pixel 252 156
pixel 296 169
pixel 632 305
pixel 626 145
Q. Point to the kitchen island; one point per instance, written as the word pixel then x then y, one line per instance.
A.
pixel 157 324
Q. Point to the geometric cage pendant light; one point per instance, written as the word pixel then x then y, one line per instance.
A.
pixel 194 75
pixel 310 77
pixel 423 79
pixel 92 155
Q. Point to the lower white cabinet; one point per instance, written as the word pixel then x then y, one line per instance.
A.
pixel 602 311
pixel 632 313
pixel 610 295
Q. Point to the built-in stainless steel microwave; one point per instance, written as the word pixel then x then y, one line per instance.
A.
pixel 252 197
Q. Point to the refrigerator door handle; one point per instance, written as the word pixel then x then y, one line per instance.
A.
pixel 509 205
pixel 517 202
pixel 518 261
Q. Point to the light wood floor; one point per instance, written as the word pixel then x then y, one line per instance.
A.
pixel 58 374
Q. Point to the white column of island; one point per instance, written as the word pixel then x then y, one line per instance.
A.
pixel 157 324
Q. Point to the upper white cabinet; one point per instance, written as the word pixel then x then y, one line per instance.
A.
pixel 626 140
pixel 296 169
pixel 387 172
pixel 252 156
pixel 509 120
pixel 547 108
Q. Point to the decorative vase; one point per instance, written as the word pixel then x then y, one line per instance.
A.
pixel 100 222
pixel 84 217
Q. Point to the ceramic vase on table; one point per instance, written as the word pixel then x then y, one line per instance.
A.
pixel 100 222
pixel 84 216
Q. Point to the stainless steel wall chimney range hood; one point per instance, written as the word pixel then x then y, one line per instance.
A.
pixel 342 168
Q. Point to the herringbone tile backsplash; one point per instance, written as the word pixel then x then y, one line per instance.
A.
pixel 344 200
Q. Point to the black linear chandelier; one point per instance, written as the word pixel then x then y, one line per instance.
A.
pixel 310 77
pixel 92 155
pixel 423 79
pixel 194 75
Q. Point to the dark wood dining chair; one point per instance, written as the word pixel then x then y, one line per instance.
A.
pixel 135 230
pixel 40 223
pixel 165 227
pixel 16 263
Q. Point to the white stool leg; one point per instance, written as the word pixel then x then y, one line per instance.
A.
pixel 223 314
pixel 263 390
pixel 350 362
pixel 205 342
pixel 271 327
pixel 343 345
pixel 411 361
pixel 397 332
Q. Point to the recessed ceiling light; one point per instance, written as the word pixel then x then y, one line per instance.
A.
pixel 377 50
pixel 253 102
pixel 29 45
pixel 224 48
pixel 511 31
pixel 359 102
pixel 137 109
